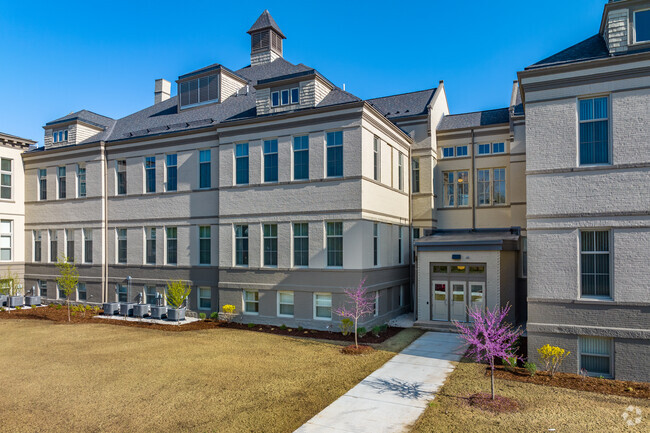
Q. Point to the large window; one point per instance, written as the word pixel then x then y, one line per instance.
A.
pixel 323 306
pixel 415 175
pixel 301 244
pixel 199 90
pixel 88 245
pixel 642 26
pixel 301 157
pixel 241 245
pixel 54 245
pixel 594 131
pixel 42 184
pixel 270 160
pixel 456 188
pixel 205 245
pixel 335 244
pixel 596 355
pixel 6 240
pixel 285 304
pixel 205 298
pixel 62 181
pixel 81 292
pixel 375 158
pixel 205 167
pixel 37 245
pixel 121 246
pixel 121 177
pixel 241 164
pixel 69 245
pixel 594 258
pixel 400 172
pixel 81 180
pixel 491 186
pixel 150 233
pixel 251 302
pixel 270 244
pixel 335 154
pixel 150 173
pixel 172 172
pixel 375 244
pixel 172 245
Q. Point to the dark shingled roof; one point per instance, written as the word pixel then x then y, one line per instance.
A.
pixel 266 21
pixel 85 116
pixel 405 104
pixel 213 67
pixel 589 49
pixel 476 119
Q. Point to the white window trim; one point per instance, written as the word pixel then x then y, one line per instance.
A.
pixel 610 155
pixel 461 156
pixel 165 249
pixel 198 298
pixel 198 173
pixel 444 191
pixel 77 292
pixel 342 246
pixel 144 249
pixel 293 294
pixel 11 240
pixel 611 265
pixel 293 245
pixel 291 102
pixel 234 245
pixel 634 41
pixel 13 178
pixel 243 298
pixel 279 104
pixel 324 319
pixel 442 155
pixel 491 187
pixel 144 174
pixel 166 168
pixel 611 357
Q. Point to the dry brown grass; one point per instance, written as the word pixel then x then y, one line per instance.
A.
pixel 95 378
pixel 543 408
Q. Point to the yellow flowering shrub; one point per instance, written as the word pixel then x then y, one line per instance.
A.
pixel 552 357
pixel 229 309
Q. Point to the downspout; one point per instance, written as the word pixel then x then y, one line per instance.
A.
pixel 105 222
pixel 473 184
pixel 411 248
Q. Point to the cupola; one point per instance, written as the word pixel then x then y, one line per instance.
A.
pixel 266 40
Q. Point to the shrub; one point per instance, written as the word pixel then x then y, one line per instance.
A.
pixel 376 330
pixel 177 293
pixel 283 327
pixel 510 362
pixel 202 316
pixel 347 326
pixel 531 367
pixel 251 325
pixel 19 307
pixel 59 306
pixel 300 328
pixel 552 356
pixel 361 331
pixel 228 309
pixel 214 315
pixel 384 327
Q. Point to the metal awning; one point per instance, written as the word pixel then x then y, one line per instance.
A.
pixel 471 240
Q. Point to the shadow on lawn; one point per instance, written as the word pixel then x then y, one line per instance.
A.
pixel 411 390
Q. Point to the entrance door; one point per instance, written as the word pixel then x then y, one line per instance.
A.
pixel 476 295
pixel 458 303
pixel 439 302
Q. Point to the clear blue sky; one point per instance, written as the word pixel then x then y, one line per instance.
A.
pixel 63 57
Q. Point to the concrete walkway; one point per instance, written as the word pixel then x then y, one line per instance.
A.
pixel 394 396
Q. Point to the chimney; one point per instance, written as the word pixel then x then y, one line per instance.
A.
pixel 162 90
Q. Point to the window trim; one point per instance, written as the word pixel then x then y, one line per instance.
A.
pixel 270 238
pixel 293 157
pixel 84 248
pixel 85 290
pixel 293 244
pixel 61 181
pixel 270 153
pixel 491 183
pixel 278 297
pixel 11 239
pixel 611 356
pixel 327 266
pixel 80 167
pixel 209 238
pixel 201 163
pixel 609 129
pixel 444 191
pixel 250 313
pixel 324 319
pixel 147 232
pixel 453 152
pixel 166 245
pixel 42 177
pixel 235 238
pixel 459 147
pixel 145 177
pixel 376 158
pixel 117 245
pixel 11 179
pixel 198 296
pixel 376 245
pixel 334 146
pixel 277 92
pixel 166 172
pixel 610 264
pixel 117 177
pixel 247 157
pixel 634 40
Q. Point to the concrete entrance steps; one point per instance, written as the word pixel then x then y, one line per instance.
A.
pixel 436 326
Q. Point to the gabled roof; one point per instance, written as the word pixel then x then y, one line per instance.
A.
pixel 14 139
pixel 405 104
pixel 266 21
pixel 85 116
pixel 213 67
pixel 589 49
pixel 475 119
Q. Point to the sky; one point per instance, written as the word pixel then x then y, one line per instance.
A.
pixel 58 58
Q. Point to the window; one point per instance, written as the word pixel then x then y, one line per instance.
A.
pixel 285 304
pixel 172 245
pixel 399 245
pixel 205 245
pixel 335 154
pixel 594 131
pixel 199 90
pixel 241 245
pixel 447 152
pixel 301 157
pixel 5 178
pixel 483 186
pixel 323 306
pixel 205 167
pixel 37 245
pixel 284 97
pixel 69 245
pixel 150 173
pixel 54 245
pixel 498 147
pixel 295 96
pixel 81 292
pixel 270 244
pixel 642 26
pixel 6 240
pixel 499 186
pixel 484 149
pixel 524 256
pixel 62 183
pixel 416 233
pixel 122 293
pixel 375 158
pixel 121 246
pixel 172 173
pixel 270 160
pixel 335 244
pixel 461 151
pixel 400 172
pixel 375 305
pixel 42 184
pixel 375 244
pixel 121 177
pixel 596 355
pixel 491 186
pixel 60 136
pixel 415 174
pixel 151 294
pixel 151 245
pixel 251 302
pixel 275 99
pixel 60 292
pixel 301 244
pixel 205 298
pixel 81 180
pixel 241 163
pixel 42 288
pixel 594 258
pixel 88 245
pixel 456 188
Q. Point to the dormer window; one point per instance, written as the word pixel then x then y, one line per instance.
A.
pixel 199 90
pixel 285 97
pixel 642 26
pixel 60 136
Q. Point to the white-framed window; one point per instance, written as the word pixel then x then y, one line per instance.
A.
pixel 461 151
pixel 205 298
pixel 415 175
pixel 88 245
pixel 498 147
pixel 205 245
pixel 150 247
pixel 375 305
pixel 285 304
pixel 447 152
pixel 375 244
pixel 593 139
pixel 322 306
pixel 270 233
pixel 42 288
pixel 69 245
pixel 251 300
pixel 334 153
pixel 6 178
pixel 6 240
pixel 54 245
pixel 275 99
pixel 82 294
pixel 62 184
pixel 456 188
pixel 121 245
pixel 37 236
pixel 120 167
pixel 596 355
pixel 301 157
pixel 642 26
pixel 81 180
pixel 171 233
pixel 295 95
pixel 60 136
pixel 284 97
pixel 301 244
pixel 151 293
pixel 42 184
pixel 171 174
pixel 375 158
pixel 491 186
pixel 150 174
pixel 241 244
pixel 205 167
pixel 241 164
pixel 483 149
pixel 334 244
pixel 271 160
pixel 594 263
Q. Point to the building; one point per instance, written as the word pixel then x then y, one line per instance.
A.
pixel 588 189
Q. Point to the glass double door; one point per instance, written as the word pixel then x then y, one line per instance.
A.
pixel 450 300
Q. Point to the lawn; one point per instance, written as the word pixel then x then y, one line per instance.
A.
pixel 542 408
pixel 94 378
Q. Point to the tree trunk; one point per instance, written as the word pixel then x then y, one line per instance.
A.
pixel 68 302
pixel 356 343
pixel 492 378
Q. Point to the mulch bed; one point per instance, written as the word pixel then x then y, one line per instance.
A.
pixel 500 404
pixel 575 381
pixel 60 315
pixel 357 350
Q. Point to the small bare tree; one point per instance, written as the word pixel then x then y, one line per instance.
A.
pixel 362 305
pixel 68 279
pixel 9 284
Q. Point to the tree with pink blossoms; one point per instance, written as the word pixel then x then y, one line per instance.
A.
pixel 490 336
pixel 360 305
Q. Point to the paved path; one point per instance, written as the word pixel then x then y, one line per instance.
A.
pixel 394 396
